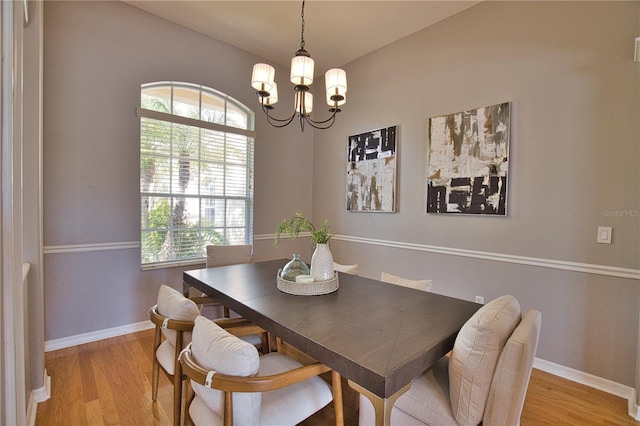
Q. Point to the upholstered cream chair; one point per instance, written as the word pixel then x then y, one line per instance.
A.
pixel 483 379
pixel 173 317
pixel 232 384
pixel 347 269
pixel 424 285
pixel 229 255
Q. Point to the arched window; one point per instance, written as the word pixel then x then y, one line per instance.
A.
pixel 196 172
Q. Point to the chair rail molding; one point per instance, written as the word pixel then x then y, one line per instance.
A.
pixel 589 268
pixel 75 248
pixel 612 271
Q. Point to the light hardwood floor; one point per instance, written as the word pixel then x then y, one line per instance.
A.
pixel 109 382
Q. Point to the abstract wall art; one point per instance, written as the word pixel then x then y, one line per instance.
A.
pixel 371 171
pixel 468 161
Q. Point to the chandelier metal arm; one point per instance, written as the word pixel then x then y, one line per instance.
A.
pixel 332 117
pixel 318 124
pixel 278 122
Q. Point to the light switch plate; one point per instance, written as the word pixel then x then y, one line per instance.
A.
pixel 604 234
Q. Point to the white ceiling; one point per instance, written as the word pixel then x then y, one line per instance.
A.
pixel 336 32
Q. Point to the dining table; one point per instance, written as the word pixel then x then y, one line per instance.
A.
pixel 379 336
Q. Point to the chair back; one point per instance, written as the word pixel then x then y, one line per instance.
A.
pixel 475 355
pixel 511 378
pixel 215 349
pixel 174 317
pixel 229 255
pixel 223 256
pixel 424 285
pixel 172 305
pixel 228 380
pixel 347 269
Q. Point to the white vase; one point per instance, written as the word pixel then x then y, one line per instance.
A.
pixel 322 263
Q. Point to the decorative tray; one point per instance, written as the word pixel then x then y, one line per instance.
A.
pixel 312 289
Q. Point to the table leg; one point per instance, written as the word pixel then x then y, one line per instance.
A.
pixel 381 406
pixel 185 289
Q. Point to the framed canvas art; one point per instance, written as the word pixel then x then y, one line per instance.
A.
pixel 468 161
pixel 371 171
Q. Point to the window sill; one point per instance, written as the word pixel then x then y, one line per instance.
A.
pixel 178 264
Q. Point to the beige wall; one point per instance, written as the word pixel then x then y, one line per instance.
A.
pixel 568 69
pixel 96 56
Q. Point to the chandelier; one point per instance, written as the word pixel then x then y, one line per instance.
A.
pixel 263 80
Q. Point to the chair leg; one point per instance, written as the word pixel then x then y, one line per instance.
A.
pixel 336 384
pixel 228 409
pixel 154 379
pixel 156 367
pixel 189 395
pixel 264 348
pixel 177 399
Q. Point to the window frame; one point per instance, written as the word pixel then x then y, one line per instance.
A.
pixel 228 133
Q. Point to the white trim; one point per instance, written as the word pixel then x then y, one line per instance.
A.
pixel 74 248
pixel 634 410
pixel 605 385
pixel 273 236
pixel 37 396
pixel 43 393
pixel 32 411
pixel 79 339
pixel 171 118
pixel 588 268
pixel 173 264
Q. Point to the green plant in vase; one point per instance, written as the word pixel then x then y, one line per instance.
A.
pixel 299 223
pixel 322 260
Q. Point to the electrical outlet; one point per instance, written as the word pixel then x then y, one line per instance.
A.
pixel 480 299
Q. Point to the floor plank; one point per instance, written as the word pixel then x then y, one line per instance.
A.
pixel 109 383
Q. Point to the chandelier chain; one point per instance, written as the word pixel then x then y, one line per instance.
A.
pixel 302 32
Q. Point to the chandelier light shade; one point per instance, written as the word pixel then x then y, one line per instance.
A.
pixel 262 78
pixel 307 105
pixel 336 81
pixel 302 68
pixel 270 100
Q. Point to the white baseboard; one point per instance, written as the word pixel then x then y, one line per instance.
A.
pixel 79 339
pixel 43 393
pixel 634 410
pixel 37 396
pixel 592 381
pixel 32 409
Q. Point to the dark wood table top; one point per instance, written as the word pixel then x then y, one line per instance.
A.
pixel 376 334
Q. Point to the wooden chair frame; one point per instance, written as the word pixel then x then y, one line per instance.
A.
pixel 229 384
pixel 177 377
pixel 238 326
pixel 208 300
